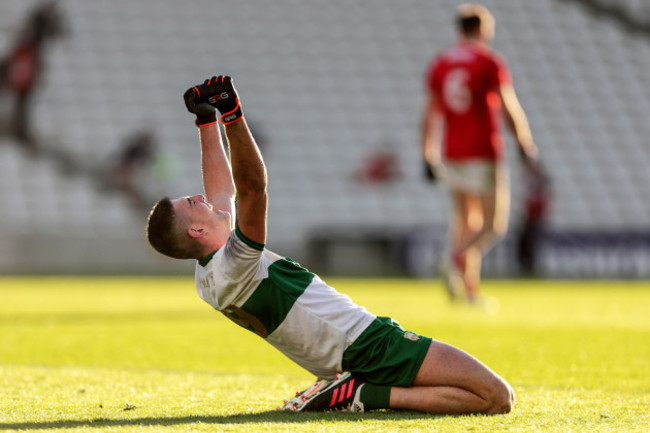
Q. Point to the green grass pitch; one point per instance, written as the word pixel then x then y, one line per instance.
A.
pixel 146 354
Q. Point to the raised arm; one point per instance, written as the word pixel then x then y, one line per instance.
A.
pixel 248 170
pixel 217 175
pixel 251 181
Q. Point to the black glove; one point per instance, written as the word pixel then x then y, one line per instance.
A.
pixel 220 93
pixel 430 172
pixel 196 103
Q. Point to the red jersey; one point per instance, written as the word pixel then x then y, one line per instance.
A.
pixel 466 80
pixel 24 68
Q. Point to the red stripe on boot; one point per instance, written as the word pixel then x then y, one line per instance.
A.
pixel 336 393
pixel 351 384
pixel 342 396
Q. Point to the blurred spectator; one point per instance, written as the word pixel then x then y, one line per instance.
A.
pixel 379 167
pixel 537 196
pixel 22 67
pixel 468 85
pixel 136 155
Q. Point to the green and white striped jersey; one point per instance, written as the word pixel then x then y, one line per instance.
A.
pixel 288 306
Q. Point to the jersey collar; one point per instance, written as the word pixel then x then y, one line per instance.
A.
pixel 205 260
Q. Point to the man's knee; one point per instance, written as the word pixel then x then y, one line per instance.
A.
pixel 493 232
pixel 502 399
pixel 500 228
pixel 497 227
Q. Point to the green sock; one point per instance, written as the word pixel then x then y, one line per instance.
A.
pixel 375 396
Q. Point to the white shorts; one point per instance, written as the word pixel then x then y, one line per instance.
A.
pixel 478 177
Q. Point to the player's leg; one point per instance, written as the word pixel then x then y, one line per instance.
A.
pixel 472 274
pixel 487 198
pixel 390 368
pixel 472 251
pixel 463 228
pixel 465 255
pixel 462 225
pixel 468 219
pixel 489 218
pixel 450 381
pixel 496 210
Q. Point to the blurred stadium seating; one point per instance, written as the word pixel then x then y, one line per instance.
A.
pixel 325 83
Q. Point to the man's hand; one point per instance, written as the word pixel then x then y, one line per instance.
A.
pixel 219 92
pixel 528 153
pixel 196 102
pixel 432 173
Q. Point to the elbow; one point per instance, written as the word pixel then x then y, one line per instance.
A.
pixel 258 185
pixel 254 183
pixel 252 189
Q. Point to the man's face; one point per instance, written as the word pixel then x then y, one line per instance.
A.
pixel 199 219
pixel 193 210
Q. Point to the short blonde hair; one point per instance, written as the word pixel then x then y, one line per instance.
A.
pixel 473 19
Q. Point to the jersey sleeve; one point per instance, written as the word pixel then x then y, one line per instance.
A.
pixel 431 76
pixel 229 272
pixel 501 71
pixel 240 253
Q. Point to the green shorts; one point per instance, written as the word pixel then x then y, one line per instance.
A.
pixel 386 354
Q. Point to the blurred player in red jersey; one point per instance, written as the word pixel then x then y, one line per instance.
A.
pixel 468 87
pixel 22 67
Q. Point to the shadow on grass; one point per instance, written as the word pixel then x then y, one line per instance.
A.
pixel 269 417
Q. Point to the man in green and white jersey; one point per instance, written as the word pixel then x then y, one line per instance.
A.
pixel 362 362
